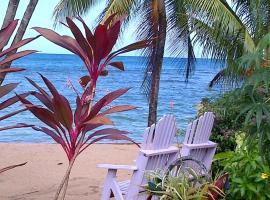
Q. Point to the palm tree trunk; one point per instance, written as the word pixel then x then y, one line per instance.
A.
pixel 21 30
pixel 157 62
pixel 25 21
pixel 10 12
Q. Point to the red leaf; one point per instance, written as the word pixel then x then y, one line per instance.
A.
pixel 42 98
pixel 20 125
pixel 118 65
pixel 10 70
pixel 61 105
pixel 84 81
pixel 88 33
pixel 78 111
pixel 11 167
pixel 132 47
pixel 12 100
pixel 45 94
pixel 16 56
pixel 64 41
pixel 219 183
pixel 12 114
pixel 6 33
pixel 106 131
pixel 100 36
pixel 121 108
pixel 113 34
pixel 52 134
pixel 18 45
pixel 4 90
pixel 99 119
pixel 90 127
pixel 107 99
pixel 42 114
pixel 80 38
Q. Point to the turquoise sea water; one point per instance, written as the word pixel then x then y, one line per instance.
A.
pixel 176 96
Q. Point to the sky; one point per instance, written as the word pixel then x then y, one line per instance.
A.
pixel 42 17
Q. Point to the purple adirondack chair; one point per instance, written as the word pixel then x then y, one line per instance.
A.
pixel 157 152
pixel 196 143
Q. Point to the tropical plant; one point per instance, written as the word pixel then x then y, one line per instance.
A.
pixel 75 131
pixel 249 176
pixel 6 57
pixel 255 107
pixel 9 19
pixel 184 186
pixel 226 30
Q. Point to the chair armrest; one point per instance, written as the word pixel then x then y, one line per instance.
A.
pixel 116 167
pixel 171 149
pixel 201 145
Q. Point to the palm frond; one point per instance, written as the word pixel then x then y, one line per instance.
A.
pixel 72 8
pixel 220 12
pixel 120 8
pixel 180 26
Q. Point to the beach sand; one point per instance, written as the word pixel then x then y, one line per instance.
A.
pixel 47 163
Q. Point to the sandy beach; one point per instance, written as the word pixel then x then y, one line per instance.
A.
pixel 47 163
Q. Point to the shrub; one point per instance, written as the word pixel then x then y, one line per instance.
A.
pixel 249 176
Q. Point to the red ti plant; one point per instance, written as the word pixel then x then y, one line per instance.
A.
pixel 75 131
pixel 6 57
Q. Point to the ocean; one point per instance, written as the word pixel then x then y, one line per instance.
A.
pixel 176 96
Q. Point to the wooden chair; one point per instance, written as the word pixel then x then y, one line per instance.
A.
pixel 157 152
pixel 196 143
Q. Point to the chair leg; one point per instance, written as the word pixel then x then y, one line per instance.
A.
pixel 106 192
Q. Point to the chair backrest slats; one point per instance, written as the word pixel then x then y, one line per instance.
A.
pixel 199 130
pixel 158 136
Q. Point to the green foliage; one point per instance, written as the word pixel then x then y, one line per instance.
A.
pixel 255 106
pixel 189 186
pixel 249 177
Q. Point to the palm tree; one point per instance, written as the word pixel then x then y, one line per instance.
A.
pixel 226 30
pixel 10 14
pixel 155 23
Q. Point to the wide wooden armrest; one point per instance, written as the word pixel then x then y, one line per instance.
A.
pixel 171 149
pixel 201 145
pixel 124 167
